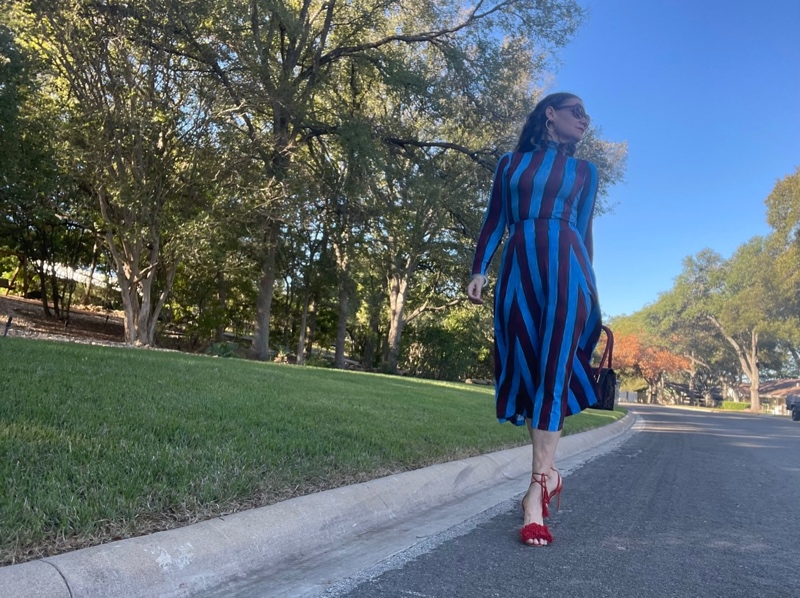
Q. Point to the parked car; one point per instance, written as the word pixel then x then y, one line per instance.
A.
pixel 793 405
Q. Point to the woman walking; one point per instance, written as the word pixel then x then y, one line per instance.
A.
pixel 546 312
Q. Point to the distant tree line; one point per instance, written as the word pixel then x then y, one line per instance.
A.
pixel 302 174
pixel 725 321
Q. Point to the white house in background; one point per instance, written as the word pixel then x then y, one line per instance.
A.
pixel 774 393
pixel 81 275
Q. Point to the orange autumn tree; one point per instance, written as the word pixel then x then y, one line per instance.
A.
pixel 640 355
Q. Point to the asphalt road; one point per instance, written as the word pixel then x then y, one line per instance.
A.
pixel 696 504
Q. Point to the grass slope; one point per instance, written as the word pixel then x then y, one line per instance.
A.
pixel 102 443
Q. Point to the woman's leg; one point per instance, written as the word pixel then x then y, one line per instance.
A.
pixel 544 446
pixel 540 443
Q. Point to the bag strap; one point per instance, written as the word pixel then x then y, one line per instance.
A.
pixel 608 353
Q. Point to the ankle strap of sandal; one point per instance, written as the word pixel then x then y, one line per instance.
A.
pixel 541 479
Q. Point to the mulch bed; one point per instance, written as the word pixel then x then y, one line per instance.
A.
pixel 85 325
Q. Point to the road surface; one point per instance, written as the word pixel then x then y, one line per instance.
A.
pixel 696 504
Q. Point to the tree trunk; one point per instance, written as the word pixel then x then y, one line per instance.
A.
pixel 792 351
pixel 264 303
pixel 90 284
pixel 21 266
pixel 755 399
pixel 288 321
pixel 373 332
pixel 136 285
pixel 55 291
pixel 147 320
pixel 341 324
pixel 26 279
pixel 222 298
pixel 662 389
pixel 143 322
pixel 398 285
pixel 312 327
pixel 127 257
pixel 43 290
pixel 652 391
pixel 748 360
pixel 301 343
pixel 162 298
pixel 129 310
pixel 343 277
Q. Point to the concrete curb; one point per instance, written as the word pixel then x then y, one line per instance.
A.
pixel 197 558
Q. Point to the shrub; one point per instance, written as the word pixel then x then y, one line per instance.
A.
pixel 226 349
pixel 735 405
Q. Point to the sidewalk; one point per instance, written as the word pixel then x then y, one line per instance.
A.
pixel 268 546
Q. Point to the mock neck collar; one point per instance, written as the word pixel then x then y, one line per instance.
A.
pixel 549 144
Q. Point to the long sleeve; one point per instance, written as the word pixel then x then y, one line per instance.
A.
pixel 494 223
pixel 586 208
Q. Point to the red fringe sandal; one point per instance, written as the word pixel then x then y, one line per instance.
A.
pixel 539 531
pixel 557 491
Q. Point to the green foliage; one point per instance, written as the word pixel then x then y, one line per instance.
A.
pixel 783 207
pixel 631 383
pixel 315 361
pixel 737 317
pixel 224 349
pixel 234 177
pixel 437 353
pixel 455 347
pixel 128 117
pixel 783 215
pixel 611 161
pixel 41 220
pixel 138 440
pixel 8 264
pixel 734 406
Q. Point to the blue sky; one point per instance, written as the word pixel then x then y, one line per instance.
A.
pixel 707 95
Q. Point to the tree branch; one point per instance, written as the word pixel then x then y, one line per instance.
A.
pixel 748 368
pixel 479 156
pixel 425 37
pixel 696 361
pixel 426 307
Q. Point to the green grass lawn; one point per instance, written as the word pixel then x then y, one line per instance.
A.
pixel 102 443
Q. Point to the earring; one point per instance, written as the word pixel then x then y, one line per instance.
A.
pixel 547 126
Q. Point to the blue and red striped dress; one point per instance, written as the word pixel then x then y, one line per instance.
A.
pixel 546 314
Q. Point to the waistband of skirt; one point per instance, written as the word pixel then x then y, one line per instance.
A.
pixel 564 221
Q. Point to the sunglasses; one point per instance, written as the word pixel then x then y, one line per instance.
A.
pixel 577 111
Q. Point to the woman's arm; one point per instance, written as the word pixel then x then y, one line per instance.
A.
pixel 586 208
pixel 494 223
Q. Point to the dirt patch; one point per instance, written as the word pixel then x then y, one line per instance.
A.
pixel 96 326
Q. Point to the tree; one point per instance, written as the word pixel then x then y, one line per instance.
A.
pixel 712 364
pixel 277 66
pixel 741 300
pixel 134 117
pixel 783 208
pixel 454 346
pixel 40 221
pixel 638 353
pixel 290 152
pixel 783 215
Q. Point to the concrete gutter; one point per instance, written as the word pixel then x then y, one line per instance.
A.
pixel 198 558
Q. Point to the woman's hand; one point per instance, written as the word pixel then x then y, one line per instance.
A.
pixel 475 287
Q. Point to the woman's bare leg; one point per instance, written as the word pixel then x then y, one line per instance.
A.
pixel 543 451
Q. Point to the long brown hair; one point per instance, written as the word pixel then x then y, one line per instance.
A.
pixel 534 133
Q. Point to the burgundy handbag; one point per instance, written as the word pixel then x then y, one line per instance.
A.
pixel 605 376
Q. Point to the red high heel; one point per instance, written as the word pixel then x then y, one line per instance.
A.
pixel 557 491
pixel 538 531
